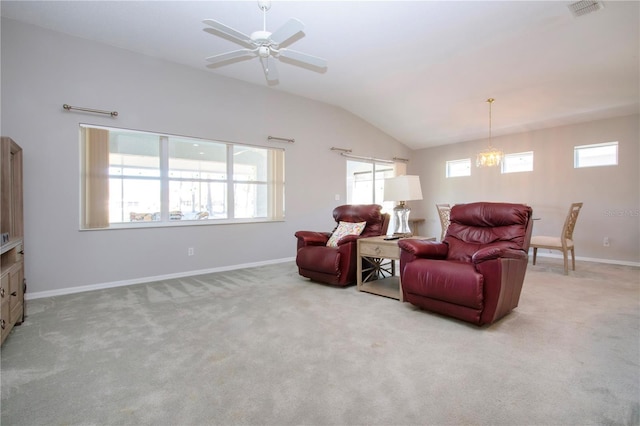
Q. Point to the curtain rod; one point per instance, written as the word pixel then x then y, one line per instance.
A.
pixel 97 111
pixel 281 139
pixel 358 157
pixel 347 153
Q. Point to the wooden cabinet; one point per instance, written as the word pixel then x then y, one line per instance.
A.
pixel 11 226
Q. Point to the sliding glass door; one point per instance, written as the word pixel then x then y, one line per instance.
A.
pixel 365 182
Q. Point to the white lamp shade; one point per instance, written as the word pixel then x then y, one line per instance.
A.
pixel 402 188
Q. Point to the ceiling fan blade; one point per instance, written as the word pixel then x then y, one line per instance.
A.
pixel 303 57
pixel 292 27
pixel 230 55
pixel 233 35
pixel 270 69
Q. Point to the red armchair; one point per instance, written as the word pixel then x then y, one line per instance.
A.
pixel 476 273
pixel 337 265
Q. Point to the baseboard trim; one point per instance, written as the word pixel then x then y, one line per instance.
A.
pixel 587 259
pixel 81 289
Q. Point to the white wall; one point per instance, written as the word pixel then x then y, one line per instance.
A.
pixel 41 70
pixel 611 195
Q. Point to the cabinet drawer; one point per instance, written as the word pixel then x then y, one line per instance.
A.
pixel 4 286
pixel 16 293
pixel 387 251
pixel 12 294
pixel 5 323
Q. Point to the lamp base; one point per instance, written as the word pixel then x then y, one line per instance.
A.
pixel 401 221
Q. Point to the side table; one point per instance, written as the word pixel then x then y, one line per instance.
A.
pixel 379 256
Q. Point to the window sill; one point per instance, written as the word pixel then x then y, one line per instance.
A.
pixel 209 222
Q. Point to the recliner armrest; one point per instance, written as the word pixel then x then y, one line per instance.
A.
pixel 424 248
pixel 311 238
pixel 348 239
pixel 490 253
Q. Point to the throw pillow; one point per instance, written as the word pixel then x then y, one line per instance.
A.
pixel 343 229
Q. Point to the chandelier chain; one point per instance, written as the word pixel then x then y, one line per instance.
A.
pixel 490 100
pixel 491 156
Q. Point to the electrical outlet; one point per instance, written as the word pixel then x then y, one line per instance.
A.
pixel 190 251
pixel 605 242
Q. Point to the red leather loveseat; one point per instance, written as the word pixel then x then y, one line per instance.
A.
pixel 476 273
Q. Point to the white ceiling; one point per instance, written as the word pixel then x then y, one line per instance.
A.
pixel 421 71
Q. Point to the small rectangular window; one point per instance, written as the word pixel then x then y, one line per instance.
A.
pixel 518 162
pixel 600 154
pixel 457 168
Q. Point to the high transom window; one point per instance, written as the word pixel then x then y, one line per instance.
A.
pixel 518 162
pixel 132 178
pixel 600 154
pixel 456 168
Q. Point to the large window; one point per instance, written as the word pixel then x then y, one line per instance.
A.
pixel 601 154
pixel 135 178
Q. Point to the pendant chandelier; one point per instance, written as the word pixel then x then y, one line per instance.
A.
pixel 491 156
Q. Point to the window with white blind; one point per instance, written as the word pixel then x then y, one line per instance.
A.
pixel 132 178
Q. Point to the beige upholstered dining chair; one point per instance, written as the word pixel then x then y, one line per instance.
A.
pixel 444 211
pixel 564 243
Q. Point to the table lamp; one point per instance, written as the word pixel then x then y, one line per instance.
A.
pixel 402 189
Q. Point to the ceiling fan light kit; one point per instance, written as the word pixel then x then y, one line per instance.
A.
pixel 263 44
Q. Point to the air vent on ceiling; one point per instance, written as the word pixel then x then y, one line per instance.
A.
pixel 583 7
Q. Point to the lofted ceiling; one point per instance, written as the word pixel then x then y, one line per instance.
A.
pixel 420 71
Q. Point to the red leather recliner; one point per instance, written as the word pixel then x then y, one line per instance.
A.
pixel 476 273
pixel 337 265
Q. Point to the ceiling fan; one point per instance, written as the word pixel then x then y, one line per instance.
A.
pixel 264 45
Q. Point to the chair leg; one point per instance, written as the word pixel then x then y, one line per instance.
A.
pixel 573 258
pixel 566 262
pixel 535 252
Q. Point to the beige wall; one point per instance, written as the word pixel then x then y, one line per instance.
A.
pixel 611 195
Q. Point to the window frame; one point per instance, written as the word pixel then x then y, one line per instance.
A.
pixel 447 168
pixel 582 148
pixel 269 195
pixel 380 170
pixel 505 161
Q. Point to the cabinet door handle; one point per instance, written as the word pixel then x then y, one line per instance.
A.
pixel 14 294
pixel 2 324
pixel 1 292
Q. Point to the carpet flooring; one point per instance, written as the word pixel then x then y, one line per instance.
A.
pixel 263 346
